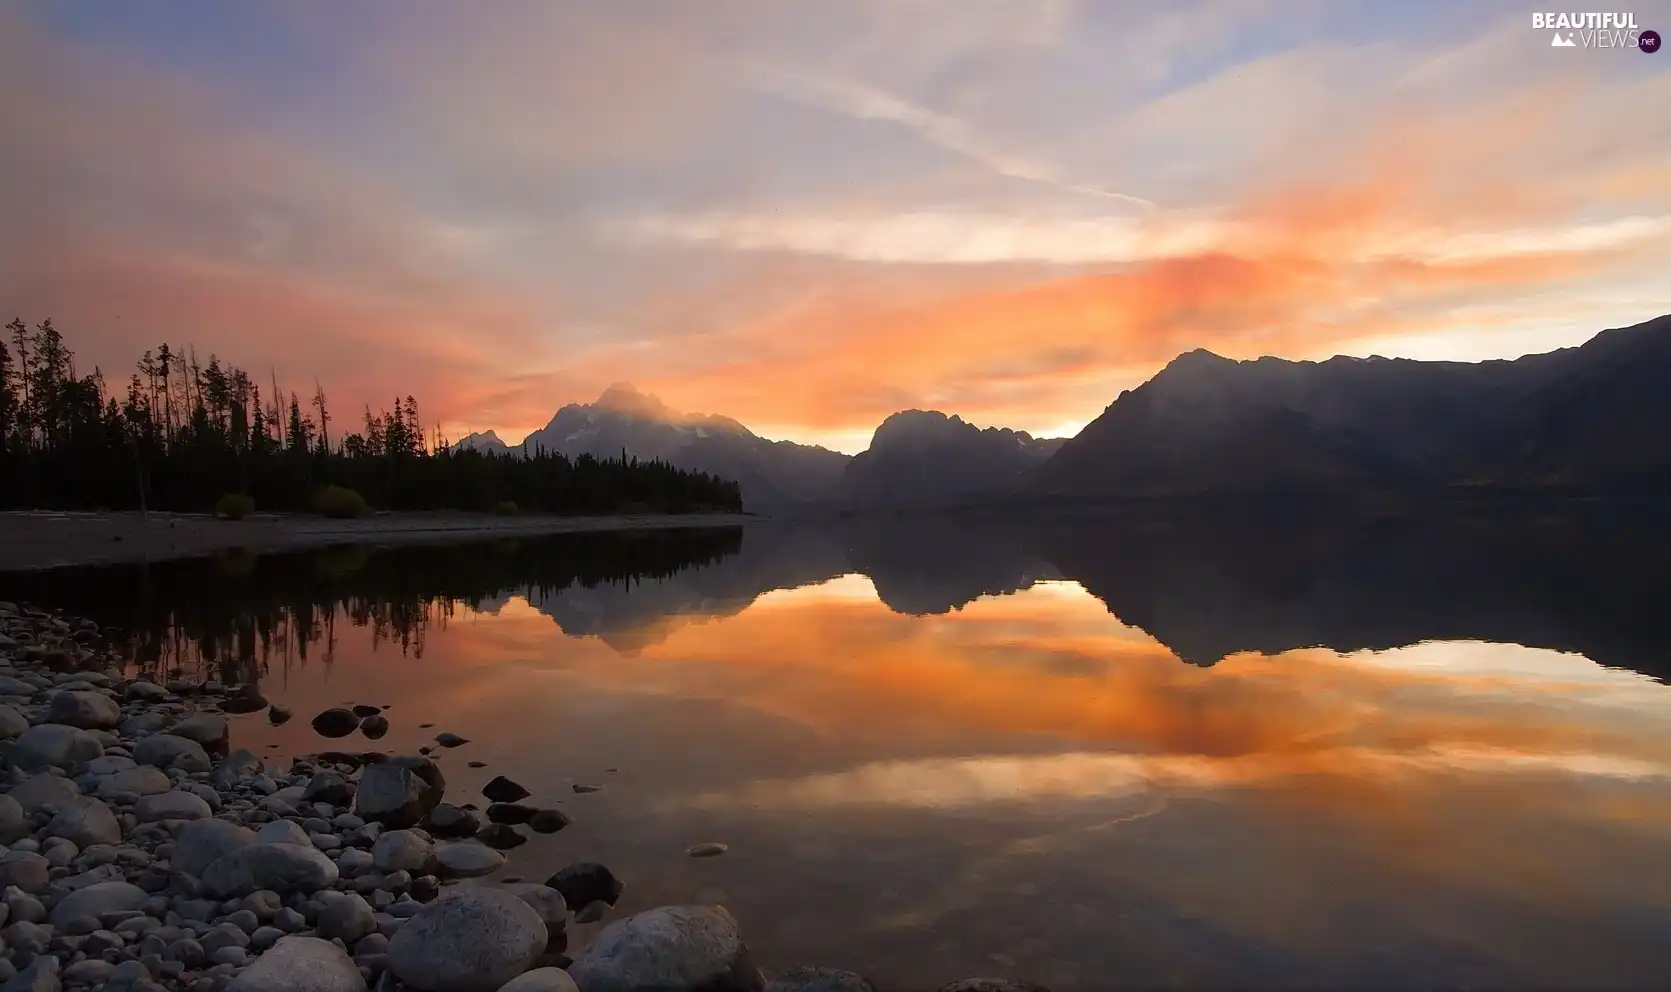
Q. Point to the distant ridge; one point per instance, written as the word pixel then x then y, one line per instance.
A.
pixel 1594 418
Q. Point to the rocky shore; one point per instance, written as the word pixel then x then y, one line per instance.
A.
pixel 144 851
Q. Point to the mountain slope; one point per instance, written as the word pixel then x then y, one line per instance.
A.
pixel 1588 417
pixel 486 442
pixel 923 456
pixel 773 474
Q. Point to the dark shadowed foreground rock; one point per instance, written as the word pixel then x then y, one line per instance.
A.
pixel 669 949
pixel 586 882
pixel 500 789
pixel 471 939
pixel 991 985
pixel 96 900
pixel 47 744
pixel 279 867
pixel 202 842
pixel 398 792
pixel 338 722
pixel 809 978
pixel 84 709
pixel 301 964
pixel 541 980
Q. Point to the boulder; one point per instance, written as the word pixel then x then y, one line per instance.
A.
pixel 541 980
pixel 336 722
pixel 203 842
pixel 87 821
pixel 670 948
pixel 467 859
pixel 549 821
pixel 394 795
pixel 447 820
pixel 175 805
pixel 990 985
pixel 207 729
pixel 403 850
pixel 142 780
pixel 45 789
pixel 14 823
pixel 26 870
pixel 279 867
pixel 329 787
pixel 283 832
pixel 512 813
pixel 375 727
pixel 172 751
pixel 586 882
pixel 85 709
pixel 500 789
pixel 347 918
pixel 12 723
pixel 470 939
pixel 238 767
pixel 55 744
pixel 547 902
pixel 301 964
pixel 96 900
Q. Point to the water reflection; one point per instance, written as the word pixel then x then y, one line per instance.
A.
pixel 940 748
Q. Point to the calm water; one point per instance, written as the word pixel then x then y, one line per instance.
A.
pixel 1089 754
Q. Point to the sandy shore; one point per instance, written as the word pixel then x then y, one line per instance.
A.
pixel 45 539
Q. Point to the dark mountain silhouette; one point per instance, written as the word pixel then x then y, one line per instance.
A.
pixel 487 442
pixel 1592 582
pixel 1589 419
pixel 920 457
pixel 773 474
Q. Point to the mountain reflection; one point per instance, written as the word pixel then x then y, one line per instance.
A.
pixel 1206 588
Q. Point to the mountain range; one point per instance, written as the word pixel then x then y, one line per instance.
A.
pixel 1588 419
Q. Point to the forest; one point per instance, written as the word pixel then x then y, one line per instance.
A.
pixel 185 435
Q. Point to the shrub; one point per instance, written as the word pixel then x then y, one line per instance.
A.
pixel 234 506
pixel 505 508
pixel 339 503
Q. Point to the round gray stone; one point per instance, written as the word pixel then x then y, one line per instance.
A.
pixel 26 870
pixel 202 842
pixel 282 832
pixel 14 823
pixel 86 821
pixel 45 789
pixel 96 900
pixel 84 709
pixel 175 805
pixel 143 780
pixel 467 859
pixel 348 918
pixel 49 744
pixel 669 948
pixel 541 980
pixel 403 850
pixel 279 867
pixel 471 939
pixel 172 751
pixel 12 723
pixel 301 964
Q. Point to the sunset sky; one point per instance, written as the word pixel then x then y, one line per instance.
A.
pixel 809 215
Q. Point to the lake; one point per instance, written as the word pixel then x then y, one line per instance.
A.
pixel 1084 751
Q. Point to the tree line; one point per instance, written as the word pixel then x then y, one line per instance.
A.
pixel 186 433
pixel 238 616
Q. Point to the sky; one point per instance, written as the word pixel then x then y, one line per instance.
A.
pixel 810 215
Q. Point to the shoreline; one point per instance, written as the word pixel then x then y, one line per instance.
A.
pixel 33 540
pixel 146 851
